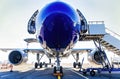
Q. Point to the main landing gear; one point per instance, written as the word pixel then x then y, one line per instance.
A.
pixel 77 64
pixel 39 64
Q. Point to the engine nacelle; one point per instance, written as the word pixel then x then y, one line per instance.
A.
pixel 97 56
pixel 17 57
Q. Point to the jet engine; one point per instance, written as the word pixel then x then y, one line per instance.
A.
pixel 97 56
pixel 17 57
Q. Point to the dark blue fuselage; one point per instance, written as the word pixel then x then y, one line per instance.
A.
pixel 58 25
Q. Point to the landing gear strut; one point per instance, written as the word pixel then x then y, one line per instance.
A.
pixel 38 64
pixel 75 64
pixel 58 70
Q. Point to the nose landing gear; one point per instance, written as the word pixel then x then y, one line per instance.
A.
pixel 58 70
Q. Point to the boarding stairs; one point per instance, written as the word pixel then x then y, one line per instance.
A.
pixel 109 39
pixel 97 32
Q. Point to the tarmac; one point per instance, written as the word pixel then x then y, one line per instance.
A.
pixel 28 72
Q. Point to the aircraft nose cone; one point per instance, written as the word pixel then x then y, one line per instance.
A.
pixel 58 30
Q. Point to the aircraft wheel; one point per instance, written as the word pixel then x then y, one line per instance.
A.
pixel 79 65
pixel 52 65
pixel 84 72
pixel 46 65
pixel 109 71
pixel 92 73
pixel 40 65
pixel 54 70
pixel 61 69
pixel 36 65
pixel 74 65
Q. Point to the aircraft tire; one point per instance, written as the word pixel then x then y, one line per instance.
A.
pixel 54 70
pixel 79 65
pixel 36 65
pixel 41 65
pixel 46 65
pixel 92 73
pixel 61 69
pixel 84 72
pixel 74 65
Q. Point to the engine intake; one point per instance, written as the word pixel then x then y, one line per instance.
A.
pixel 97 56
pixel 17 57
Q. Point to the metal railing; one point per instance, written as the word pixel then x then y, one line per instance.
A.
pixel 113 33
pixel 95 22
pixel 107 30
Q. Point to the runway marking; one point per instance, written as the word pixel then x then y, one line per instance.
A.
pixel 6 75
pixel 59 77
pixel 79 74
pixel 12 73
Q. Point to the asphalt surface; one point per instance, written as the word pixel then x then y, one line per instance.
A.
pixel 47 74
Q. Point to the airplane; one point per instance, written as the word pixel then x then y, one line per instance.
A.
pixel 57 27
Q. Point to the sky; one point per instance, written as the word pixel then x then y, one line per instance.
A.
pixel 14 16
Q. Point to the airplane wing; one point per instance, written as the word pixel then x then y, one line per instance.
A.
pixel 23 49
pixel 27 40
pixel 82 50
pixel 18 56
pixel 43 52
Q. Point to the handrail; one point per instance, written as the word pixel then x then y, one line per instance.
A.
pixel 108 30
pixel 95 22
pixel 113 33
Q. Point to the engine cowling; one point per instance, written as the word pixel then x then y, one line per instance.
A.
pixel 17 57
pixel 97 56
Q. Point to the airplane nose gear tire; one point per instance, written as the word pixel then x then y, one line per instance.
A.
pixel 54 70
pixel 61 69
